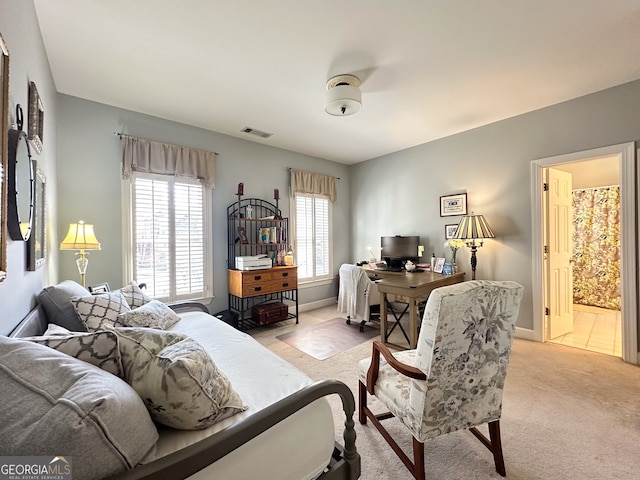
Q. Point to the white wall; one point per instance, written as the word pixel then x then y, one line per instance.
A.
pixel 89 163
pixel 28 62
pixel 492 165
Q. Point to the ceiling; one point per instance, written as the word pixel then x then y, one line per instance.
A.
pixel 429 68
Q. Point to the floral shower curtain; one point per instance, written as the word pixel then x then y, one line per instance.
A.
pixel 596 247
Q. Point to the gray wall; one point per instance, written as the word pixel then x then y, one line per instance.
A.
pixel 394 194
pixel 28 62
pixel 491 164
pixel 89 162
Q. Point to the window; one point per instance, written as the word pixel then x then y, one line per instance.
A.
pixel 312 229
pixel 168 230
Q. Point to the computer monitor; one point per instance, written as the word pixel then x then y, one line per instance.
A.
pixel 397 249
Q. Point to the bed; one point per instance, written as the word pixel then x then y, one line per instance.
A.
pixel 286 431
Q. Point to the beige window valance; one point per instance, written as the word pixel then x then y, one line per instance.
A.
pixel 142 155
pixel 313 183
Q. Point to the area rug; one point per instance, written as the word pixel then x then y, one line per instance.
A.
pixel 326 339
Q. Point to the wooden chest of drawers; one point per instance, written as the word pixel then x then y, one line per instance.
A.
pixel 243 283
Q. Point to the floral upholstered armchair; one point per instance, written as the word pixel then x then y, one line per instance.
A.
pixel 454 379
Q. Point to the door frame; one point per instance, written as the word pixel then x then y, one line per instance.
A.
pixel 626 153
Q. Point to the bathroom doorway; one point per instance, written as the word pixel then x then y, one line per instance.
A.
pixel 624 156
pixel 596 320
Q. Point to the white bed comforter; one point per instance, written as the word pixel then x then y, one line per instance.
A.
pixel 297 448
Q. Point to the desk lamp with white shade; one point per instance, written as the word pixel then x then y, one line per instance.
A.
pixel 80 236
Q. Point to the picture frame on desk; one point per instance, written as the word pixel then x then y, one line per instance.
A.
pixel 439 265
pixel 452 205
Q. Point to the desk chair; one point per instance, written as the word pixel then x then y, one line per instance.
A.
pixel 454 379
pixel 358 296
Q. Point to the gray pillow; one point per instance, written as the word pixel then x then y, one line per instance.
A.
pixel 54 404
pixel 56 303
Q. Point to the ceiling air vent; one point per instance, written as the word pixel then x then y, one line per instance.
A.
pixel 257 133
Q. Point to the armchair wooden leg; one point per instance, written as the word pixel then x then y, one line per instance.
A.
pixel 362 403
pixel 493 443
pixel 496 443
pixel 418 460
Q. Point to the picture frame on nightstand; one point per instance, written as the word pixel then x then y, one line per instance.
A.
pixel 99 288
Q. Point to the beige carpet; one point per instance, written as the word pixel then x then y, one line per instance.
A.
pixel 329 338
pixel 567 414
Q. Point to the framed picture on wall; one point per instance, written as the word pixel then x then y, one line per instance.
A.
pixel 37 242
pixel 36 118
pixel 450 230
pixel 4 128
pixel 452 205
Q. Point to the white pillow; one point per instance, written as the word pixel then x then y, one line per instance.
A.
pixel 154 314
pixel 134 296
pixel 53 329
pixel 176 378
pixel 97 311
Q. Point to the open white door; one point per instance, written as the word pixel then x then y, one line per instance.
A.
pixel 559 247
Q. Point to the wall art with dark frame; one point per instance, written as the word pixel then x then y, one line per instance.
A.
pixel 450 230
pixel 37 243
pixel 452 205
pixel 4 154
pixel 36 119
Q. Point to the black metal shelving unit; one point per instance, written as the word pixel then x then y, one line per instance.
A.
pixel 248 221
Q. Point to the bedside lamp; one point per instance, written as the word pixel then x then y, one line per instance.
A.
pixel 80 237
pixel 471 228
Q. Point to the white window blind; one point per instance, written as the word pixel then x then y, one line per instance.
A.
pixel 313 247
pixel 168 232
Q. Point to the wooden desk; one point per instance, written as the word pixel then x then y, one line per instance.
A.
pixel 413 286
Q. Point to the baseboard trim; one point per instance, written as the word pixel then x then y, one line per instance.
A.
pixel 305 307
pixel 522 333
pixel 525 334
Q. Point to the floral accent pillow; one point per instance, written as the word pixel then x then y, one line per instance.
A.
pixel 97 348
pixel 97 311
pixel 134 296
pixel 154 314
pixel 176 378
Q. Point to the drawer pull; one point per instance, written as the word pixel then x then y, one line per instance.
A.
pixel 258 289
pixel 258 277
pixel 285 274
pixel 285 284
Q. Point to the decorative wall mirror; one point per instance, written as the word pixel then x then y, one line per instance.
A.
pixel 4 127
pixel 20 182
pixel 37 243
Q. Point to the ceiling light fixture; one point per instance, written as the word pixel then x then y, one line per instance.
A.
pixel 343 96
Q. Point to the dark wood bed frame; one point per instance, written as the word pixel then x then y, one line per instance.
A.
pixel 345 461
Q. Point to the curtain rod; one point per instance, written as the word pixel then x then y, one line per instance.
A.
pixel 595 188
pixel 290 168
pixel 120 135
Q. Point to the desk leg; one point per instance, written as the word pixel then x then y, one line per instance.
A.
pixel 413 322
pixel 383 318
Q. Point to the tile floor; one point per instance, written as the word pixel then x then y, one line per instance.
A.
pixel 595 329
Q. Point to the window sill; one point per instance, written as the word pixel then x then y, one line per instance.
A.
pixel 314 283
